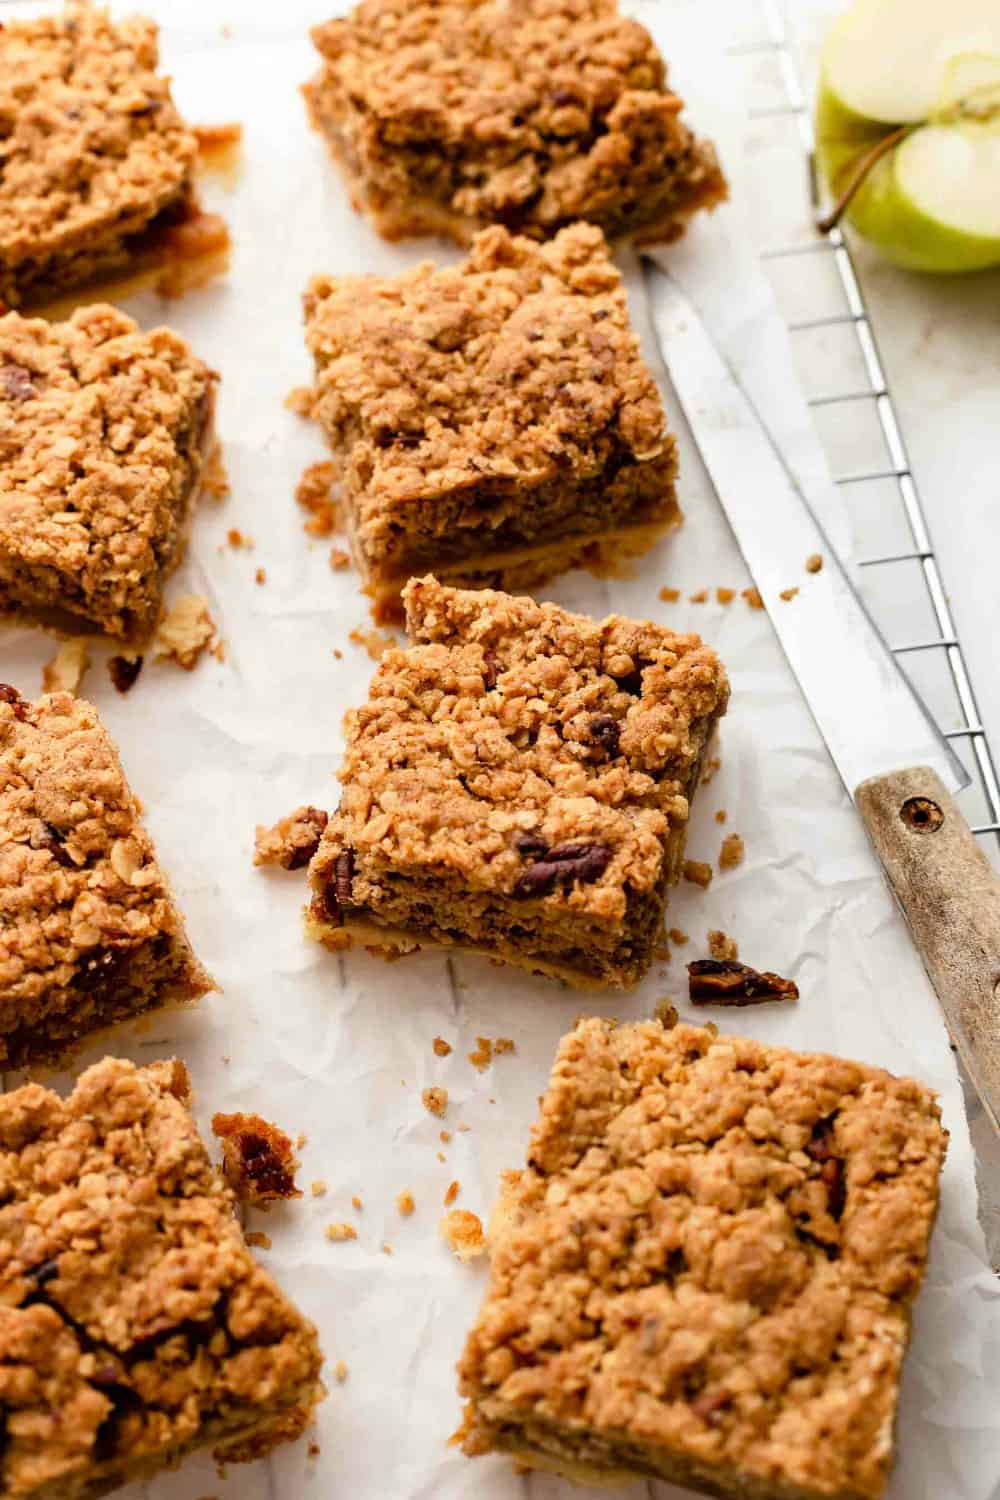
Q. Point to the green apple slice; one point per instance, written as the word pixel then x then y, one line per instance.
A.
pixel 911 146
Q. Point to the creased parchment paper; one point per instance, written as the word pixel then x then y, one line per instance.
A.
pixel 340 1047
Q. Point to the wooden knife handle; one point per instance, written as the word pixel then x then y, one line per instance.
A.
pixel 950 896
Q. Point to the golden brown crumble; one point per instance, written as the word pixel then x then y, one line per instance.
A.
pixel 698 873
pixel 722 946
pixel 732 852
pixel 700 597
pixel 814 562
pixel 451 1193
pixel 185 632
pixel 441 1047
pixel 313 494
pixel 483 1055
pixel 341 1231
pixel 405 1203
pixel 356 1202
pixel 669 596
pixel 463 1233
pixel 258 1239
pixel 339 559
pixel 258 1160
pixel 678 935
pixel 435 1100
pixel 318 1188
pixel 788 594
pixel 753 598
pixel 292 841
pixel 260 576
pixel 725 596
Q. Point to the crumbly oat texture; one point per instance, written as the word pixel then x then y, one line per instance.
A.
pixel 292 841
pixel 258 1158
pixel 495 420
pixel 518 783
pixel 97 163
pixel 103 435
pixel 135 1326
pixel 89 932
pixel 185 632
pixel 706 1271
pixel 448 115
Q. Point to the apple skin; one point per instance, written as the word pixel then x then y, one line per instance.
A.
pixel 880 211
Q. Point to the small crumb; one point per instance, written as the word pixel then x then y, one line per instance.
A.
pixel 711 768
pixel 340 1371
pixel 441 1156
pixel 678 935
pixel 405 1203
pixel 670 596
pixel 219 650
pixel 753 598
pixel 463 1128
pixel 722 947
pixel 436 1101
pixel 301 1140
pixel 338 1232
pixel 386 1249
pixel 65 672
pixel 445 1137
pixel 374 642
pixel 185 631
pixel 211 137
pixel 463 1233
pixel 814 563
pixel 259 1238
pixel 236 539
pixel 451 1194
pixel 123 671
pixel 666 1013
pixel 300 400
pixel 313 1450
pixel 698 873
pixel 258 1161
pixel 260 576
pixel 291 842
pixel 721 815
pixel 339 655
pixel 339 559
pixel 313 494
pixel 788 594
pixel 441 1047
pixel 214 479
pixel 318 1188
pixel 700 597
pixel 483 1055
pixel 725 596
pixel 356 1202
pixel 662 953
pixel 732 851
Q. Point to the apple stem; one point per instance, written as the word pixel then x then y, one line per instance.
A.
pixel 865 163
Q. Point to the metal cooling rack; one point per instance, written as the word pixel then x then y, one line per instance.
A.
pixel 982 801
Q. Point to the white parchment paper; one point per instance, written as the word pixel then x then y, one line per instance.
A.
pixel 340 1047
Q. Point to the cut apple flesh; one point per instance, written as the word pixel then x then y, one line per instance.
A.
pixel 952 174
pixel 888 60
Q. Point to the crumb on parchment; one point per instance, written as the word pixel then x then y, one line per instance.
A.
pixel 405 1203
pixel 669 596
pixel 697 872
pixel 700 597
pixel 258 1238
pixel 732 852
pixel 339 559
pixel 373 641
pixel 753 598
pixel 451 1194
pixel 725 596
pixel 185 632
pixel 463 1233
pixel 341 1231
pixel 291 842
pixel 356 1202
pixel 66 670
pixel 435 1100
pixel 238 539
pixel 318 1188
pixel 665 1011
pixel 814 562
pixel 712 767
pixel 258 1160
pixel 788 594
pixel 312 493
pixel 260 576
pixel 441 1047
pixel 722 946
pixel 340 1371
pixel 300 400
pixel 483 1055
pixel 678 935
pixel 503 1044
pixel 721 815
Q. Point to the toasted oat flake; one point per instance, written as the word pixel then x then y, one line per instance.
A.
pixel 341 1231
pixel 451 1194
pixel 65 672
pixel 186 630
pixel 463 1233
pixel 732 851
pixel 441 1047
pixel 405 1203
pixel 435 1100
pixel 697 872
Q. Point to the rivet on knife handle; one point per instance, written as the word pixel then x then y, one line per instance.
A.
pixel 950 896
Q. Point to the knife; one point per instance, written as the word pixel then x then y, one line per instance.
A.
pixel 897 767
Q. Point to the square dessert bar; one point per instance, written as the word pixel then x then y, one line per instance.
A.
pixel 135 1325
pixel 518 784
pixel 495 420
pixel 706 1271
pixel 96 177
pixel 447 115
pixel 104 433
pixel 89 932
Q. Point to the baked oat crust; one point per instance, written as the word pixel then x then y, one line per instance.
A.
pixel 448 115
pixel 519 783
pixel 134 1324
pixel 706 1270
pixel 491 418
pixel 97 163
pixel 89 931
pixel 104 433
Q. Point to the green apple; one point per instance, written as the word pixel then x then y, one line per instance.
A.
pixel 908 129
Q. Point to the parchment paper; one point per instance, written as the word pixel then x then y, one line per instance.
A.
pixel 340 1048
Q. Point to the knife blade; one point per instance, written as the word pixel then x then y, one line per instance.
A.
pixel 896 765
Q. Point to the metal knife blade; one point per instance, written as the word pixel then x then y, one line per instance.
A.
pixel 895 764
pixel 867 712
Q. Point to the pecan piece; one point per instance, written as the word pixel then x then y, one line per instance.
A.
pixel 605 731
pixel 11 695
pixel 531 846
pixel 15 383
pixel 123 671
pixel 491 670
pixel 343 876
pixel 562 865
pixel 725 982
pixel 51 839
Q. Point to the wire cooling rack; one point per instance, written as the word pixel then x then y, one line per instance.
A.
pixel 901 579
pixel 818 287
